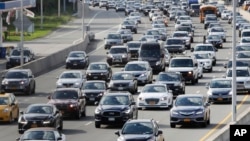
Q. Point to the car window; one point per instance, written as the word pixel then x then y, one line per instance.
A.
pixel 70 75
pixel 115 100
pixel 168 77
pixel 203 48
pixel 189 101
pixel 153 89
pixel 138 128
pixel 181 63
pixel 135 67
pixel 94 86
pixel 39 110
pixel 76 55
pixel 118 50
pixel 221 84
pixel 239 73
pixel 65 95
pixel 122 76
pixel 4 100
pixel 20 74
pixel 98 67
pixel 39 135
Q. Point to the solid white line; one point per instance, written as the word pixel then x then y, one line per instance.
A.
pixel 93 18
pixel 88 123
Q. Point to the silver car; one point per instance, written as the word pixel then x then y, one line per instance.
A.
pixel 218 31
pixel 112 39
pixel 71 78
pixel 205 60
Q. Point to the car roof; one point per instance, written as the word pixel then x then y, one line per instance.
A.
pixel 99 63
pixel 118 47
pixel 42 129
pixel 89 81
pixel 62 89
pixel 15 70
pixel 134 42
pixel 67 71
pixel 40 104
pixel 240 68
pixel 2 94
pixel 220 78
pixel 110 93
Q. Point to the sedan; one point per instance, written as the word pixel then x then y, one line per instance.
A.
pixel 218 31
pixel 190 109
pixel 118 55
pixel 77 59
pixel 40 115
pixel 42 133
pixel 99 71
pixel 70 78
pixel 205 60
pixel 215 40
pixel 123 81
pixel 155 95
pixel 129 24
pixel 126 35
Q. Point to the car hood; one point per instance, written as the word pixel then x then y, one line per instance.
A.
pixel 37 116
pixel 96 71
pixel 167 82
pixel 152 95
pixel 220 90
pixel 67 80
pixel 135 137
pixel 211 52
pixel 113 107
pixel 181 69
pixel 62 101
pixel 14 80
pixel 187 108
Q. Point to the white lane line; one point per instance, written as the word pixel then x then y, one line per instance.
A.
pixel 88 123
pixel 90 21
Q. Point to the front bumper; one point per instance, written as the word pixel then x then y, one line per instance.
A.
pixel 220 98
pixel 152 103
pixel 187 120
pixel 15 88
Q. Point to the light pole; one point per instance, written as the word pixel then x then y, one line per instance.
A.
pixel 21 36
pixel 41 7
pixel 83 28
pixel 1 26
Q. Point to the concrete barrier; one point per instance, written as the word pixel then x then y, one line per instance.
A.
pixel 224 133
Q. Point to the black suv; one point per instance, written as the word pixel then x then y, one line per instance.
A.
pixel 19 81
pixel 98 71
pixel 173 80
pixel 14 58
pixel 115 108
pixel 140 130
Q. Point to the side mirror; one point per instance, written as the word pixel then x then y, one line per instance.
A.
pixel 117 133
pixel 104 38
pixel 133 103
pixel 207 85
pixel 195 64
pixel 207 104
pixel 17 139
pixel 59 138
pixel 225 65
pixel 57 77
pixel 57 111
pixel 224 76
pixel 154 80
pixel 12 104
pixel 107 52
pixel 160 132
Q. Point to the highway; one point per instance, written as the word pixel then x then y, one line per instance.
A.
pixel 84 130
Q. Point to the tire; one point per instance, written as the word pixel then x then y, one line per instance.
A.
pixel 78 115
pixel 204 124
pixel 61 125
pixel 11 119
pixel 84 112
pixel 172 125
pixel 20 132
pixel 208 121
pixel 211 69
pixel 34 89
pixel 224 40
pixel 193 81
pixel 16 119
pixel 97 125
pixel 135 31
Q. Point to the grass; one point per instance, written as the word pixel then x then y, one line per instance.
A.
pixel 50 23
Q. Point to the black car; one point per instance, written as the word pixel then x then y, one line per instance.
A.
pixel 190 109
pixel 133 47
pixel 173 80
pixel 115 108
pixel 19 81
pixel 140 130
pixel 14 58
pixel 94 90
pixel 77 59
pixel 70 101
pixel 99 71
pixel 215 40
pixel 40 115
pixel 118 55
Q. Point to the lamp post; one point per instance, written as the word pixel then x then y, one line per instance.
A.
pixel 41 7
pixel 83 28
pixel 21 34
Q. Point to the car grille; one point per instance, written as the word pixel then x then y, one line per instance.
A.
pixel 121 84
pixel 184 74
pixel 75 61
pixel 68 84
pixel 137 75
pixel 61 106
pixel 13 83
pixel 92 94
pixel 187 113
pixel 220 93
pixel 150 100
pixel 111 113
pixel 170 86
pixel 14 60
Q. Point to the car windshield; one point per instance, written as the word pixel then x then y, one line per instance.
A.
pixel 70 75
pixel 114 36
pixel 241 63
pixel 135 67
pixel 153 89
pixel 118 50
pixel 4 100
pixel 180 35
pixel 202 56
pixel 115 100
pixel 217 30
pixel 174 41
pixel 94 86
pixel 66 94
pixel 204 48
pixel 221 84
pixel 40 109
pixel 243 48
pixel 181 63
pixel 39 135
pixel 245 40
pixel 153 32
pixel 124 32
pixel 212 37
pixel 168 77
pixel 18 52
pixel 138 128
pixel 211 18
pixel 188 101
pixel 243 55
pixel 98 67
pixel 239 73
pixel 122 76
pixel 128 22
pixel 77 55
pixel 16 75
pixel 134 45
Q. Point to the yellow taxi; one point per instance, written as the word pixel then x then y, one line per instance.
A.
pixel 9 108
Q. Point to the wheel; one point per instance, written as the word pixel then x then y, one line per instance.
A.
pixel 196 80
pixel 208 121
pixel 11 118
pixel 224 40
pixel 193 81
pixel 97 125
pixel 135 31
pixel 61 125
pixel 84 112
pixel 172 125
pixel 211 69
pixel 29 92
pixel 17 116
pixel 34 89
pixel 78 115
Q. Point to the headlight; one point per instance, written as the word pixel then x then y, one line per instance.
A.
pixel 177 84
pixel 190 72
pixel 110 84
pixel 158 62
pixel 89 74
pixel 123 26
pixel 209 93
pixel 5 82
pixel 83 60
pixel 164 98
pixel 46 122
pixel 143 75
pixel 23 82
pixel 124 56
pixel 127 111
pixel 59 84
pixel 77 83
pixel 230 93
pixel 6 110
pixel 22 120
pixel 73 105
pixel 200 112
pixel 97 111
pixel 174 113
pixel 67 60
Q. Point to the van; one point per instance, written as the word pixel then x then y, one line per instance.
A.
pixel 154 53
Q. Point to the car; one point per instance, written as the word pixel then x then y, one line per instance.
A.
pixel 126 35
pixel 115 108
pixel 77 59
pixel 184 36
pixel 156 33
pixel 42 133
pixel 190 109
pixel 98 71
pixel 123 81
pixel 242 79
pixel 155 96
pixel 19 81
pixel 213 24
pixel 112 39
pixel 70 78
pixel 119 7
pixel 206 48
pixel 133 47
pixel 189 29
pixel 40 115
pixel 243 55
pixel 111 5
pixel 244 40
pixel 230 17
pixel 118 55
pixel 173 80
pixel 140 129
pixel 70 101
pixel 129 24
pixel 162 29
pixel 186 18
pixel 141 70
pixel 225 14
pixel 103 3
pixel 95 3
pixel 136 15
pixel 245 47
pixel 239 63
pixel 243 27
pixel 208 20
pixel 215 40
pixel 205 60
pixel 14 58
pixel 167 57
pixel 218 31
pixel 149 38
pixel 175 45
pixel 219 90
pixel 9 107
pixel 93 90
pixel 194 10
pixel 128 10
pixel 180 13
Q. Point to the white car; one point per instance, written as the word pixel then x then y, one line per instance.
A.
pixel 185 18
pixel 206 48
pixel 135 15
pixel 155 95
pixel 225 14
pixel 218 31
pixel 244 40
pixel 70 78
pixel 205 60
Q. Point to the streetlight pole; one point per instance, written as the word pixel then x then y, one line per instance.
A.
pixel 41 7
pixel 234 97
pixel 83 24
pixel 21 36
pixel 1 27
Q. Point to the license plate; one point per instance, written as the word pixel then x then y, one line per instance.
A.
pixel 220 99
pixel 187 120
pixel 92 99
pixel 120 88
pixel 152 103
pixel 95 77
pixel 117 60
pixel 111 119
pixel 33 125
pixel 74 64
pixel 14 88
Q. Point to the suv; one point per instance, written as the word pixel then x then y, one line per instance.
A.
pixel 14 59
pixel 19 80
pixel 115 108
pixel 118 55
pixel 112 39
pixel 187 66
pixel 70 101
